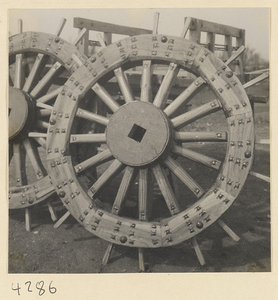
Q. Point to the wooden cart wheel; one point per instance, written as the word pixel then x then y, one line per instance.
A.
pixel 39 65
pixel 147 137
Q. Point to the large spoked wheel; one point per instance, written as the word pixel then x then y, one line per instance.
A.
pixel 39 65
pixel 151 143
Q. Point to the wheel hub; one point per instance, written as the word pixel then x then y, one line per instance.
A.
pixel 21 112
pixel 138 133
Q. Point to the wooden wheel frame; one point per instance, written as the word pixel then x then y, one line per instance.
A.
pixel 31 98
pixel 133 126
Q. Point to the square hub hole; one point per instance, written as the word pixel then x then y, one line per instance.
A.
pixel 137 133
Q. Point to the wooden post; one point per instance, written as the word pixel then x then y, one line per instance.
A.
pixel 211 41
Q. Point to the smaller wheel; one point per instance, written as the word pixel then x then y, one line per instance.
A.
pixel 39 64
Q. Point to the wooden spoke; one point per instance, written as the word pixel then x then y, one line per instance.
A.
pixel 45 106
pixel 184 176
pixel 107 254
pixel 42 124
pixel 197 113
pixel 198 252
pixel 46 80
pixel 50 95
pixel 228 230
pixel 115 168
pixel 240 50
pixel 124 85
pixel 41 141
pixel 46 191
pixel 200 136
pixel 198 157
pixel 37 134
pixel 256 80
pixel 27 219
pixel 105 97
pixel 166 85
pixel 18 164
pixel 18 71
pixel 155 22
pixel 141 260
pixel 185 96
pixel 61 220
pixel 166 189
pixel 186 27
pixel 34 159
pixel 82 113
pixel 144 194
pixel 146 81
pixel 96 160
pixel 61 26
pixel 260 176
pixel 88 138
pixel 80 36
pixel 38 66
pixel 52 211
pixel 77 60
pixel 127 180
pixel 43 113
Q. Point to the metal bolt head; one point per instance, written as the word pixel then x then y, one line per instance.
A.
pixel 62 194
pixel 123 239
pixel 164 39
pixel 199 225
pixel 229 74
pixel 52 121
pixel 247 154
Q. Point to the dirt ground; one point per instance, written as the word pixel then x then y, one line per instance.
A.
pixel 71 249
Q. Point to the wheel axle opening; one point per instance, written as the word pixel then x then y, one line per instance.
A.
pixel 137 133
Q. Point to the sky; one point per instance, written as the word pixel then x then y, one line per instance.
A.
pixel 255 21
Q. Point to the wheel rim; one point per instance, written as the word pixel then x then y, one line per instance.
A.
pixel 182 224
pixel 39 63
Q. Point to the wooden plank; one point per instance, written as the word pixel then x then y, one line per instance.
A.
pixel 108 27
pixel 216 28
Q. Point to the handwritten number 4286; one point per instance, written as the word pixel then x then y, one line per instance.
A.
pixel 39 286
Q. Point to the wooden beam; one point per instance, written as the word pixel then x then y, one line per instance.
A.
pixel 215 28
pixel 108 27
